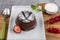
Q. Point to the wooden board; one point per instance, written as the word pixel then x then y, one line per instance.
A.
pixel 50 36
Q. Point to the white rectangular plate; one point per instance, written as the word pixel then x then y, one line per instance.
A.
pixel 38 33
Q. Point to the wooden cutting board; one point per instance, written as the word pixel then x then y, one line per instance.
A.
pixel 50 36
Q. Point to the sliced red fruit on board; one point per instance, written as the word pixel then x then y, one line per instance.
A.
pixel 17 29
pixel 53 20
pixel 57 18
pixel 53 30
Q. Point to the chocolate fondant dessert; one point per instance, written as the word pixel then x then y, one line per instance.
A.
pixel 26 20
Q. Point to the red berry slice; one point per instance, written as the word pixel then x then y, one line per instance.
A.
pixel 53 30
pixel 53 20
pixel 17 29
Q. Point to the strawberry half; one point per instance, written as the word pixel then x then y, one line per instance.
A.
pixel 17 29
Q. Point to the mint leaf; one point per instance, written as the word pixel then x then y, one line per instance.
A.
pixel 38 10
pixel 33 7
pixel 43 10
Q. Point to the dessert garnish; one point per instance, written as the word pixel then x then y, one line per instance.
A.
pixel 53 20
pixel 53 30
pixel 37 8
pixel 17 29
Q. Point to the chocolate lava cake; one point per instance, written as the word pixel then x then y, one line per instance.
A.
pixel 26 20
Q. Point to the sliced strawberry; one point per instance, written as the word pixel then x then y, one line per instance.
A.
pixel 17 29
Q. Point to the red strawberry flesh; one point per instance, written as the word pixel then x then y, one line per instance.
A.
pixel 17 29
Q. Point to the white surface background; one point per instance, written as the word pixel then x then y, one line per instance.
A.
pixel 9 3
pixel 37 33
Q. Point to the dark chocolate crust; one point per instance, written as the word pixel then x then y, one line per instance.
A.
pixel 26 26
